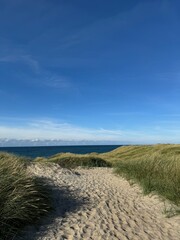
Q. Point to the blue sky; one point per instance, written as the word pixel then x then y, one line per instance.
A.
pixel 90 71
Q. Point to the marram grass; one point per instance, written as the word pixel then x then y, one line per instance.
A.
pixel 70 160
pixel 23 198
pixel 155 168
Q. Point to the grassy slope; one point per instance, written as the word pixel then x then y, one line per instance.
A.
pixel 22 199
pixel 155 167
pixel 137 152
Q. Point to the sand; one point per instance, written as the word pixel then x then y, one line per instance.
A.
pixel 96 204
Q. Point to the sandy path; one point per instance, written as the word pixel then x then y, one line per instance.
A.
pixel 96 204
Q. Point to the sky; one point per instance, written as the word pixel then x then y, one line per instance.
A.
pixel 89 72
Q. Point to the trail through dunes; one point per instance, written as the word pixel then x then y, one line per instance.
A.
pixel 96 204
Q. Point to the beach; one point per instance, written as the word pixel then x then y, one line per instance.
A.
pixel 96 204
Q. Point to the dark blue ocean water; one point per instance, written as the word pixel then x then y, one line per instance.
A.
pixel 45 151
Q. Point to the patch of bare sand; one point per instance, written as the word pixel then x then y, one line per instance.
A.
pixel 96 204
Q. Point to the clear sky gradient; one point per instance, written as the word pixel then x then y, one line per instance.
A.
pixel 90 71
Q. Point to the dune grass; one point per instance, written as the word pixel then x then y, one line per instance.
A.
pixel 136 152
pixel 156 168
pixel 70 160
pixel 23 198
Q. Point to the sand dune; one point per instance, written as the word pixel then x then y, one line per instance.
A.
pixel 96 204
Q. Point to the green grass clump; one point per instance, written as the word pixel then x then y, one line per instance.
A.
pixel 69 160
pixel 23 198
pixel 156 168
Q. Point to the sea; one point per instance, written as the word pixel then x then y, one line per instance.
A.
pixel 46 151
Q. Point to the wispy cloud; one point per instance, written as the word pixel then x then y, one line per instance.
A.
pixel 41 77
pixel 127 113
pixel 54 130
pixel 58 82
pixel 89 37
pixel 24 59
pixel 102 28
pixel 45 129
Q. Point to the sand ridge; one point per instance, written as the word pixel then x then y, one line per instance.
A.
pixel 95 204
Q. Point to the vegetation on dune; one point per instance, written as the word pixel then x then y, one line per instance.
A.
pixel 156 168
pixel 69 160
pixel 136 152
pixel 23 198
